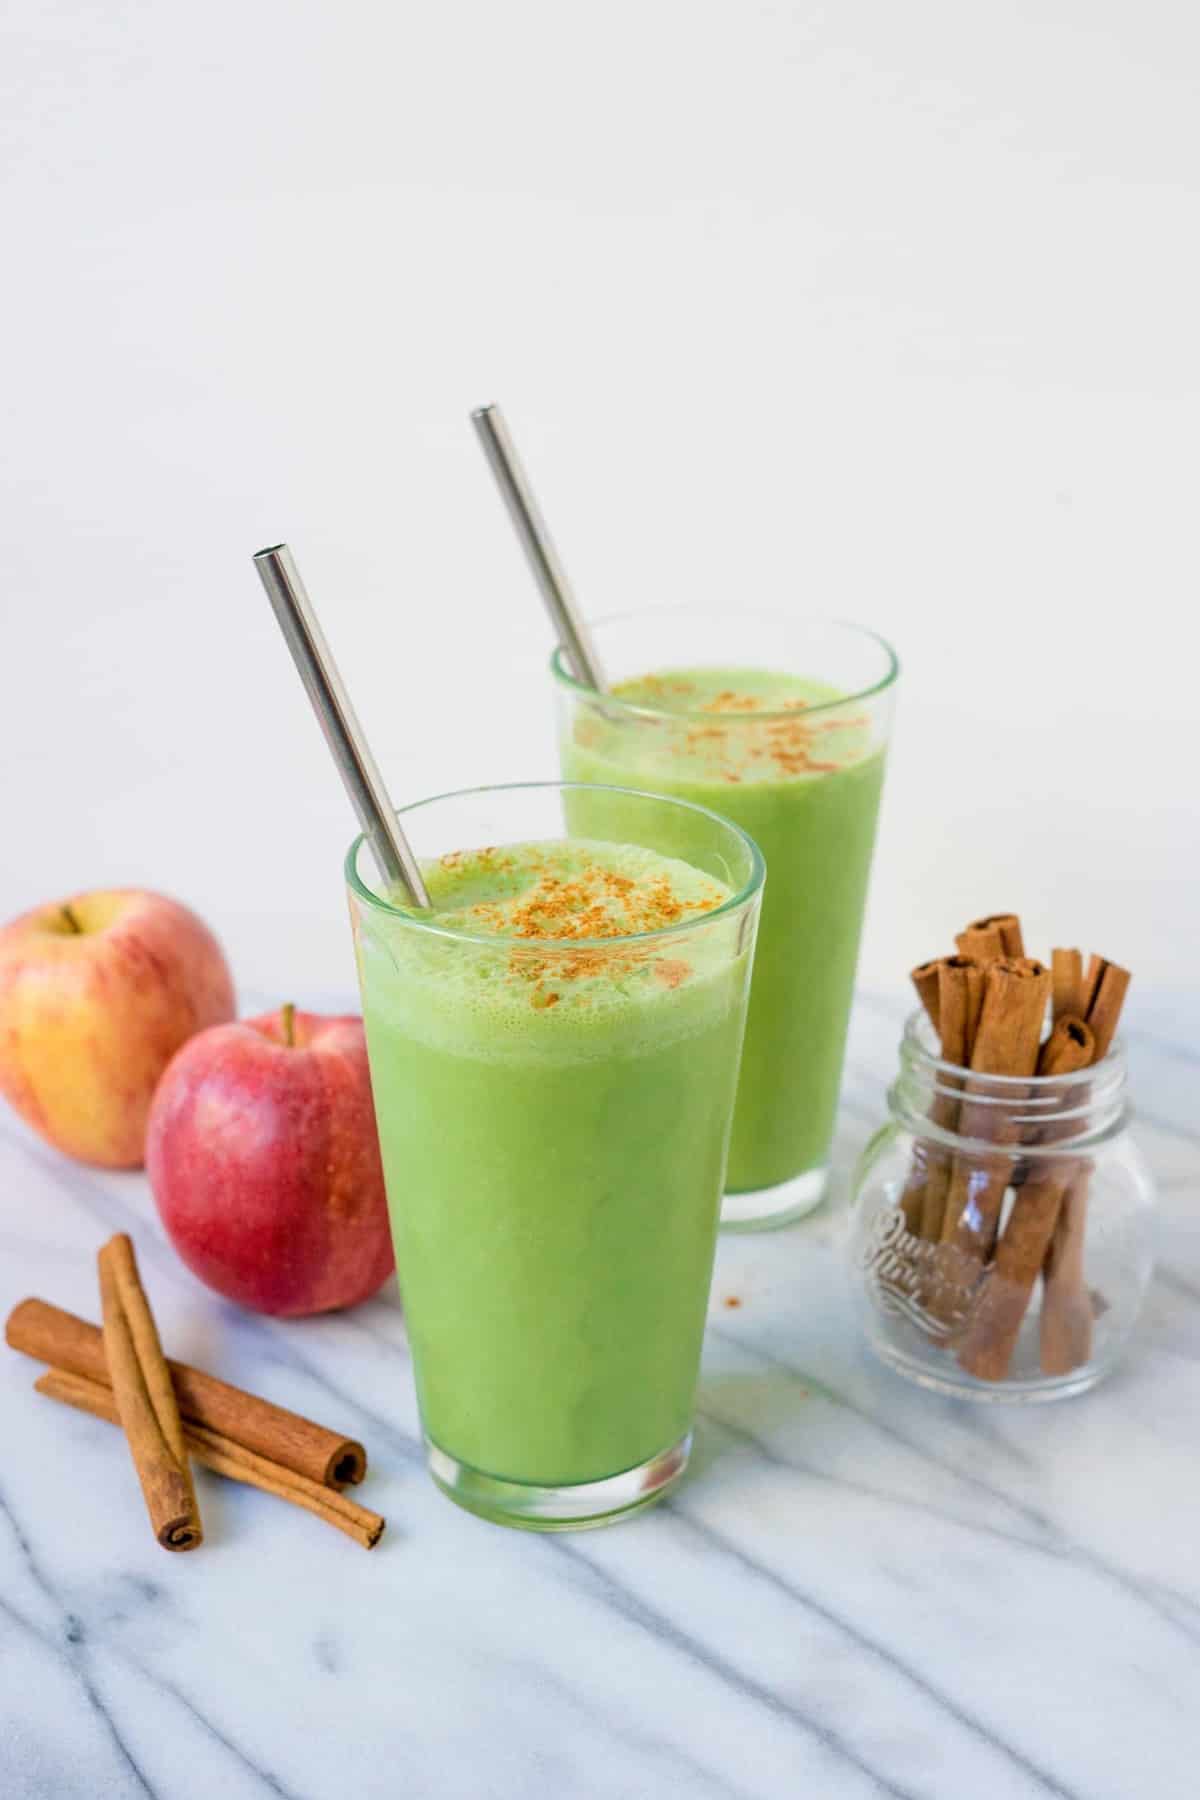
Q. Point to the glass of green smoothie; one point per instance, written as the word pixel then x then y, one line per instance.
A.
pixel 781 725
pixel 554 1050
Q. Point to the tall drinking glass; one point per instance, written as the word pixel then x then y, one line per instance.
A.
pixel 554 1090
pixel 781 725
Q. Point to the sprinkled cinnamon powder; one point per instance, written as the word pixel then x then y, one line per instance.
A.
pixel 729 701
pixel 553 906
pixel 751 728
pixel 659 687
pixel 600 903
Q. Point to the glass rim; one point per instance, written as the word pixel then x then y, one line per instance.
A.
pixel 563 675
pixel 917 1024
pixel 564 946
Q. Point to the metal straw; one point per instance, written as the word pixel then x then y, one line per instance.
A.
pixel 343 733
pixel 538 546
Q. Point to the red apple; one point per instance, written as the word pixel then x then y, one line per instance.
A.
pixel 96 995
pixel 264 1160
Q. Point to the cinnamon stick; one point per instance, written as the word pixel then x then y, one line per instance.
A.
pixel 960 999
pixel 991 1338
pixel 1066 1324
pixel 986 942
pixel 1066 968
pixel 912 1201
pixel 1091 982
pixel 1106 997
pixel 50 1335
pixel 1006 925
pixel 145 1399
pixel 225 1457
pixel 1010 1022
pixel 925 979
pixel 925 1189
pixel 1006 1043
pixel 1071 1046
pixel 118 1267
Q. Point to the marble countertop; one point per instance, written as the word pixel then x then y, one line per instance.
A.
pixel 860 1590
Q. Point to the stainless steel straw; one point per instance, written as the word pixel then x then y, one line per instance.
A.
pixel 343 733
pixel 538 546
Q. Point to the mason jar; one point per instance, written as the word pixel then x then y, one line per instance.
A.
pixel 1001 1230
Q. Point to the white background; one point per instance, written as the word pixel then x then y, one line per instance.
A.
pixel 876 309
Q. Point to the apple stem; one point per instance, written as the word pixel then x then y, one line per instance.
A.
pixel 72 922
pixel 288 1015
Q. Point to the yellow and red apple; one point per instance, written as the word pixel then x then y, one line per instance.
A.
pixel 264 1160
pixel 97 993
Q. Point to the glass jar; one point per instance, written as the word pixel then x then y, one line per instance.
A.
pixel 1001 1233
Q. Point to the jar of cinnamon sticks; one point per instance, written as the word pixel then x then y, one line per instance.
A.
pixel 1001 1240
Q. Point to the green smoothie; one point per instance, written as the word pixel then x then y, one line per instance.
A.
pixel 553 1099
pixel 779 757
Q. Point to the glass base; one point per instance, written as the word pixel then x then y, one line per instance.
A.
pixel 576 1508
pixel 961 1386
pixel 765 1209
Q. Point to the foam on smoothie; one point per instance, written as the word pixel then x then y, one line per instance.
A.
pixel 567 889
pixel 735 725
pixel 565 951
